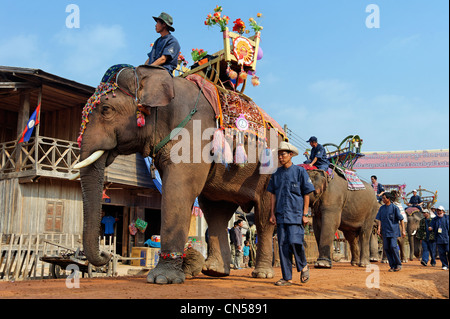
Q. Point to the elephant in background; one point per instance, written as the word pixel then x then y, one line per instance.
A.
pixel 335 207
pixel 165 102
pixel 414 216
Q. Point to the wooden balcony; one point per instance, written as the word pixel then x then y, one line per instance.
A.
pixel 41 156
pixel 55 158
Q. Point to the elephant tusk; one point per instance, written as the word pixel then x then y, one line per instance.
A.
pixel 74 176
pixel 88 161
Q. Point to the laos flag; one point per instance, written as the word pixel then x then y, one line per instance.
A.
pixel 32 122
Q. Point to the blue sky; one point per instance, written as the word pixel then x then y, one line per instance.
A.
pixel 323 73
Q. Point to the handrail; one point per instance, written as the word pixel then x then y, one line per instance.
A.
pixel 39 156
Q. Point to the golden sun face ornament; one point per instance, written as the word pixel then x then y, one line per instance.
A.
pixel 243 51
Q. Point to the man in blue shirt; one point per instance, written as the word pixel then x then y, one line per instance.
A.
pixel 290 186
pixel 440 226
pixel 416 201
pixel 318 155
pixel 166 49
pixel 388 218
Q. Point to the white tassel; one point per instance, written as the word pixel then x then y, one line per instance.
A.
pixel 241 155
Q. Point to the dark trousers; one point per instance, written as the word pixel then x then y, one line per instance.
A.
pixel 443 254
pixel 392 252
pixel 429 251
pixel 290 243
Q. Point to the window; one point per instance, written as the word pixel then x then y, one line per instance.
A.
pixel 54 216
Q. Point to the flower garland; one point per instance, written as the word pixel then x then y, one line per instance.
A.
pixel 91 104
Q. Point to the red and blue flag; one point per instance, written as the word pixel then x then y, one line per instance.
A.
pixel 32 122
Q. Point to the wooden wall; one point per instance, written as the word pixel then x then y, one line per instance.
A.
pixel 8 126
pixel 23 207
pixel 61 124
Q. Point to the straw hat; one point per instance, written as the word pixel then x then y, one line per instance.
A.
pixel 285 146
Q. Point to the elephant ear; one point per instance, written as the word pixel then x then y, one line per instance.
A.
pixel 155 86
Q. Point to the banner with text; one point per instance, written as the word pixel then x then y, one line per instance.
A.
pixel 403 159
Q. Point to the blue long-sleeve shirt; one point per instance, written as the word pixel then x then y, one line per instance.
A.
pixel 289 185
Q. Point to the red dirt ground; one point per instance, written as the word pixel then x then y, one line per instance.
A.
pixel 341 282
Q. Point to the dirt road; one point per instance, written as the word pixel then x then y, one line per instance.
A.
pixel 341 282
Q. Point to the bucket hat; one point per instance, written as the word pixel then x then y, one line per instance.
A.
pixel 167 19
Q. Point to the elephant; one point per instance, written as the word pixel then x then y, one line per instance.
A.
pixel 164 102
pixel 335 207
pixel 414 216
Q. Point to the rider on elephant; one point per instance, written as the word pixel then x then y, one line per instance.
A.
pixel 166 49
pixel 318 155
pixel 415 201
pixel 377 187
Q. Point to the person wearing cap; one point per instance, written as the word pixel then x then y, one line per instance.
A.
pixel 290 187
pixel 389 221
pixel 318 157
pixel 426 234
pixel 415 201
pixel 440 226
pixel 166 49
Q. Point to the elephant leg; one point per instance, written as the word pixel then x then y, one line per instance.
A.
pixel 411 247
pixel 328 226
pixel 353 241
pixel 264 229
pixel 374 247
pixel 364 245
pixel 180 191
pixel 217 215
pixel 401 243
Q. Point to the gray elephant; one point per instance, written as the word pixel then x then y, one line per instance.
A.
pixel 164 103
pixel 335 207
pixel 414 215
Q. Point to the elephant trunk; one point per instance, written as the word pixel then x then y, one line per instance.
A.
pixel 92 189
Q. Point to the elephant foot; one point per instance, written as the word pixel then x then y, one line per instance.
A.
pixel 214 268
pixel 193 263
pixel 364 264
pixel 373 259
pixel 384 261
pixel 167 272
pixel 262 272
pixel 323 263
pixel 404 261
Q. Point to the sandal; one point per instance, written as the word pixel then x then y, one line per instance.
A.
pixel 304 275
pixel 283 282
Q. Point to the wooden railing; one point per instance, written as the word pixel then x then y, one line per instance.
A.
pixel 41 156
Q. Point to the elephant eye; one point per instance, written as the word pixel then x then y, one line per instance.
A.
pixel 107 110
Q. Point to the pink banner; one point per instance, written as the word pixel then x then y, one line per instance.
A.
pixel 403 159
